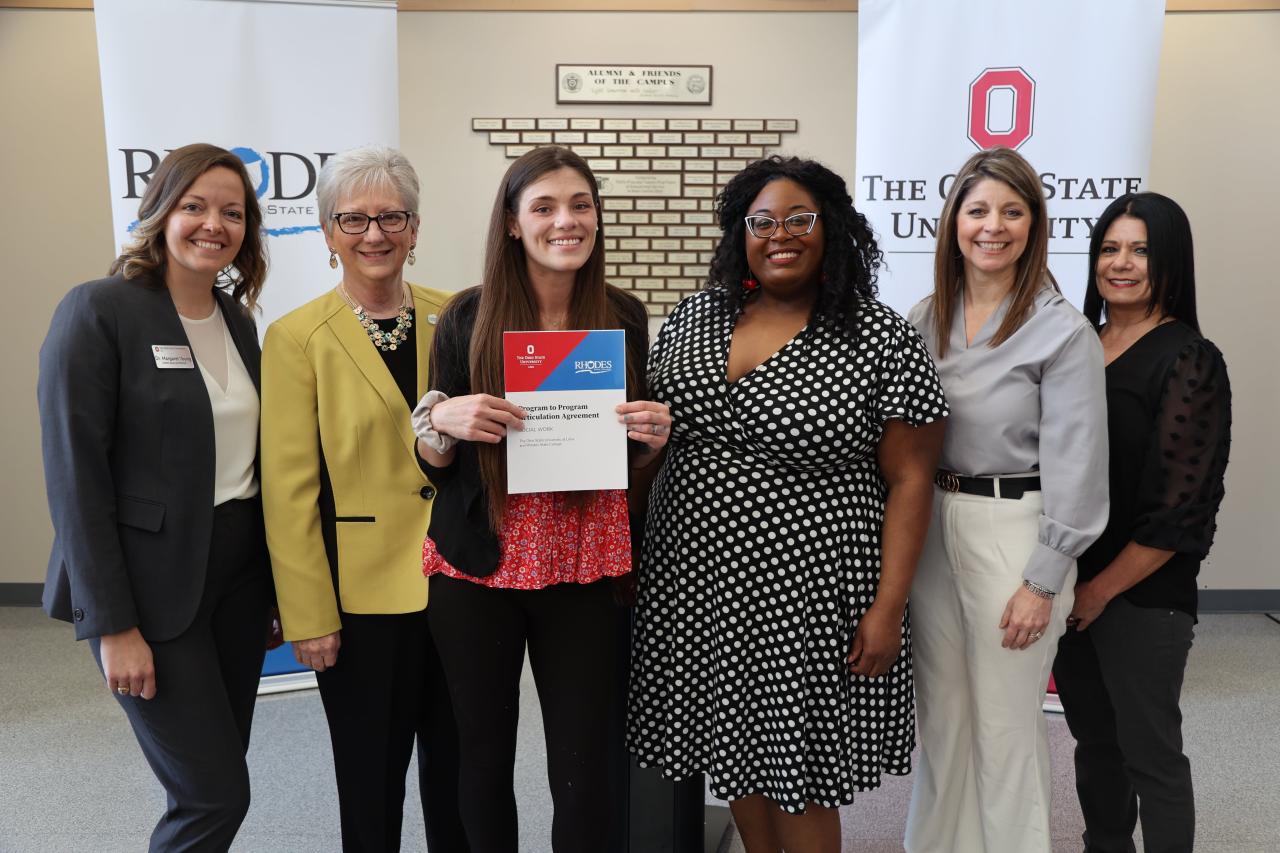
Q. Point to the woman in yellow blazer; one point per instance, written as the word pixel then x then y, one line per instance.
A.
pixel 347 503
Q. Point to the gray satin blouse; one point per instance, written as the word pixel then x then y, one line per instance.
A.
pixel 1036 402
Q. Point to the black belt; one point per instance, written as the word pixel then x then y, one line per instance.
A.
pixel 1012 488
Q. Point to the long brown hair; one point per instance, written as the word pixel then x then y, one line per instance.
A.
pixel 1010 168
pixel 146 254
pixel 507 302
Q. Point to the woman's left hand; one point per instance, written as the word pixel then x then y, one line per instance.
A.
pixel 1025 618
pixel 876 643
pixel 647 422
pixel 1090 602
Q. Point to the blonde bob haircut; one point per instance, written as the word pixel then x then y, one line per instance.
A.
pixel 1010 168
pixel 360 170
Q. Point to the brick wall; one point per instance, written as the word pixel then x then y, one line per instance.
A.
pixel 658 181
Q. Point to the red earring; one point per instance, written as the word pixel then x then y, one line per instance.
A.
pixel 750 284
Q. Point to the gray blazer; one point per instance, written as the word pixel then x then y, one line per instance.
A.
pixel 128 459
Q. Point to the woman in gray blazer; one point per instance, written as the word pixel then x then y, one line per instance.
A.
pixel 148 396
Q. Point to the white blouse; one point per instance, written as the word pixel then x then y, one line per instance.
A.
pixel 235 406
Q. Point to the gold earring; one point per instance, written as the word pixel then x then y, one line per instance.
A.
pixel 333 259
pixel 411 257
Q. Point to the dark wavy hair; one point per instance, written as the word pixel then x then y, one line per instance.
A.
pixel 1171 265
pixel 146 254
pixel 850 257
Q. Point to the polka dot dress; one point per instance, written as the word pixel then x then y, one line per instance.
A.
pixel 762 551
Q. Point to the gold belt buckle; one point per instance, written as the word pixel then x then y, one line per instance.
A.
pixel 948 481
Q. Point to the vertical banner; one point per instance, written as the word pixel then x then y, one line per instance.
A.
pixel 282 83
pixel 1070 86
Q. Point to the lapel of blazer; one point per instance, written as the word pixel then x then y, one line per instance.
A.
pixel 355 340
pixel 243 334
pixel 165 321
pixel 162 325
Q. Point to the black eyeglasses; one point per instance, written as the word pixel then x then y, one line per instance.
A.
pixel 797 225
pixel 391 221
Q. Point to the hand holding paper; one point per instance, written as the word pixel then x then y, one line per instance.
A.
pixel 477 417
pixel 647 422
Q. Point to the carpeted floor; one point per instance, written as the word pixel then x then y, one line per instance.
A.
pixel 71 777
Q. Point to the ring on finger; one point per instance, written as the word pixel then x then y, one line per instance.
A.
pixel 122 690
pixel 1035 635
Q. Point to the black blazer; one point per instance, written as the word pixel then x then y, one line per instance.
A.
pixel 128 459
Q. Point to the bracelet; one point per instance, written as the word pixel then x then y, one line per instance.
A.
pixel 422 427
pixel 1039 591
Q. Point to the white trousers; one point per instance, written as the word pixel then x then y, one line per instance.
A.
pixel 982 783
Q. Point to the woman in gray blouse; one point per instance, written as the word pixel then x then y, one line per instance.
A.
pixel 1021 492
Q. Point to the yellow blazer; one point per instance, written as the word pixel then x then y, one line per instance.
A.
pixel 329 404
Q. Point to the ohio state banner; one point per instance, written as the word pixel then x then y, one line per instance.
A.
pixel 1071 86
pixel 282 83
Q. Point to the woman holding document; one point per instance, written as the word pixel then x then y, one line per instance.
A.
pixel 510 572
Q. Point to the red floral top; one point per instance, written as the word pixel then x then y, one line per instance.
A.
pixel 546 541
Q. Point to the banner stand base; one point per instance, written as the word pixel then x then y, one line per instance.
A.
pixel 286 683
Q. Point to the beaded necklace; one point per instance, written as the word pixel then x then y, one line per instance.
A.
pixel 383 340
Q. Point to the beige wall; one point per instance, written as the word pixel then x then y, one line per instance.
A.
pixel 1214 147
pixel 1215 151
pixel 460 65
pixel 58 233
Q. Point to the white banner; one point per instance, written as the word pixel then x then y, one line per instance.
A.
pixel 282 83
pixel 1071 86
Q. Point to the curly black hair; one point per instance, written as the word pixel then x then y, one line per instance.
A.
pixel 850 257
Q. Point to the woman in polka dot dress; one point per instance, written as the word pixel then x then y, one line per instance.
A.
pixel 771 648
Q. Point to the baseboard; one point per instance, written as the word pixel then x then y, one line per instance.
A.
pixel 20 594
pixel 1240 601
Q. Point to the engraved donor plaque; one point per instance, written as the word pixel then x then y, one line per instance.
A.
pixel 639 184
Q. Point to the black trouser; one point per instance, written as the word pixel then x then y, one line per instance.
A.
pixel 385 689
pixel 571 631
pixel 1120 681
pixel 195 732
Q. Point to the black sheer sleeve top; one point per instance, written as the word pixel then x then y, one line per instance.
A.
pixel 1169 422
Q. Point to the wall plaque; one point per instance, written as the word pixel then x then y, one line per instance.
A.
pixel 633 84
pixel 639 184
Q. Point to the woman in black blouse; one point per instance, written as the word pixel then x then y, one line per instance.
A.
pixel 1119 673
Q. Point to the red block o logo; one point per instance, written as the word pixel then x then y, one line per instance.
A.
pixel 1010 122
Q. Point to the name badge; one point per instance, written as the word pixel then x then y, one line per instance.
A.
pixel 173 357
